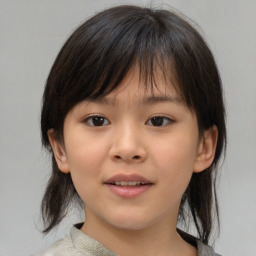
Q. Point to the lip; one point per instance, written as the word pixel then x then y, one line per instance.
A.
pixel 130 177
pixel 128 191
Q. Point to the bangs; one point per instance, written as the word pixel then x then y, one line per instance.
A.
pixel 150 67
pixel 103 52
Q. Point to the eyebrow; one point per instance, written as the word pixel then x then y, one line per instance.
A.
pixel 147 100
pixel 164 98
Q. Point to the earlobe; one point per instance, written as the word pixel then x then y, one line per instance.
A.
pixel 58 151
pixel 206 149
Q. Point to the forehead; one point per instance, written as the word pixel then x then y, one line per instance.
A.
pixel 134 87
pixel 134 92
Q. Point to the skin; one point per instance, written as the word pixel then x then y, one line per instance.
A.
pixel 128 141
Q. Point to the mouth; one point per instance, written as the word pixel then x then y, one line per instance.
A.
pixel 124 180
pixel 128 183
pixel 128 186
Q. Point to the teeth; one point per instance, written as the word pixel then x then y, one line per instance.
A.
pixel 128 183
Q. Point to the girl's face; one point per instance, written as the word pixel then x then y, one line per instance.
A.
pixel 131 155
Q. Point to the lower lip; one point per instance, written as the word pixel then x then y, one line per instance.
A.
pixel 128 192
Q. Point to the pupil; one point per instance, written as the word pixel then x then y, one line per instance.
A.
pixel 97 121
pixel 157 121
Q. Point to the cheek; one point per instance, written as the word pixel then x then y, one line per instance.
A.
pixel 84 151
pixel 85 159
pixel 175 158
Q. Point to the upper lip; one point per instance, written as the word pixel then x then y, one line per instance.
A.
pixel 126 177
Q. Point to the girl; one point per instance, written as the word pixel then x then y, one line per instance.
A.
pixel 134 119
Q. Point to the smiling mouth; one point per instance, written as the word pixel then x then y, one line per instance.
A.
pixel 129 183
pixel 128 186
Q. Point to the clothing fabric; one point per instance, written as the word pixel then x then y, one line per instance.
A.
pixel 80 244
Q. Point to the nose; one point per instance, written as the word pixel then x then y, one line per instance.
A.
pixel 127 145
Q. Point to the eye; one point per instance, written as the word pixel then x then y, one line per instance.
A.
pixel 159 121
pixel 96 121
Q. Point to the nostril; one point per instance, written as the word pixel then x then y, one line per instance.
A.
pixel 134 157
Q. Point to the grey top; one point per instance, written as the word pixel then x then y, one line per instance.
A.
pixel 80 244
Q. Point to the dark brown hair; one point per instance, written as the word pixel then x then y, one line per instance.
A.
pixel 93 62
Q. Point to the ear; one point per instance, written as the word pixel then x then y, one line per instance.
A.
pixel 206 149
pixel 58 151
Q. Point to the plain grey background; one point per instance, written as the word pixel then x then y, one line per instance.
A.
pixel 31 34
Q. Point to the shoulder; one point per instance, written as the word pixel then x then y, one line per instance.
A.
pixel 77 244
pixel 202 249
pixel 62 247
pixel 205 250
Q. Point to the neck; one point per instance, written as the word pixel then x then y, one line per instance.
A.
pixel 161 239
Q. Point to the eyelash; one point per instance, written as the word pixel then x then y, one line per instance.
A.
pixel 162 121
pixel 89 120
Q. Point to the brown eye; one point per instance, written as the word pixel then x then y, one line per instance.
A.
pixel 159 121
pixel 97 121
